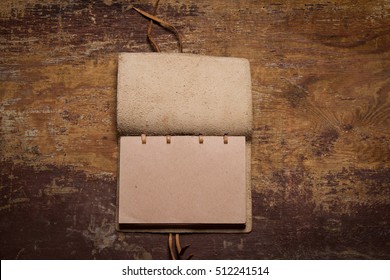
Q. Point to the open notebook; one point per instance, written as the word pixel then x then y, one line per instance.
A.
pixel 179 183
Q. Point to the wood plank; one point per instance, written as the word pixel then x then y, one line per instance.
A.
pixel 321 146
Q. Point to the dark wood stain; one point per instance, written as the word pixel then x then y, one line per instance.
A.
pixel 321 152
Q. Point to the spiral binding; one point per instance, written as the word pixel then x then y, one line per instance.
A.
pixel 200 137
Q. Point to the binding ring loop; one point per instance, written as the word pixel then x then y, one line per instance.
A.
pixel 225 139
pixel 201 139
pixel 143 138
pixel 168 139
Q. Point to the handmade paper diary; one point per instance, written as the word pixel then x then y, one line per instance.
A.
pixel 184 163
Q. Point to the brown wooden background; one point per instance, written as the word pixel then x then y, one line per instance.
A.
pixel 321 145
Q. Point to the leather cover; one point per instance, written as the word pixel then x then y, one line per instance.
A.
pixel 183 94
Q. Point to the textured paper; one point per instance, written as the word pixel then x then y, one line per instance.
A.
pixel 183 183
pixel 183 94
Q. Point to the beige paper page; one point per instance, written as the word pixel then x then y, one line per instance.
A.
pixel 183 183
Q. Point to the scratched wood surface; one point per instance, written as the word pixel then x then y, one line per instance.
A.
pixel 321 145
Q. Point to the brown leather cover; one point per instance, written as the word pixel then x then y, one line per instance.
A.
pixel 183 94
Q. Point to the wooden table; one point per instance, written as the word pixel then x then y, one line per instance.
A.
pixel 321 143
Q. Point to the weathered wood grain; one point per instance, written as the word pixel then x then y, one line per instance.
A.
pixel 321 146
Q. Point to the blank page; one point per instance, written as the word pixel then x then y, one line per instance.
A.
pixel 183 183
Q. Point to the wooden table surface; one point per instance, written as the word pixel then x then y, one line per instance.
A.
pixel 321 143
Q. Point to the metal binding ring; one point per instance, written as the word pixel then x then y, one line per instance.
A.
pixel 225 139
